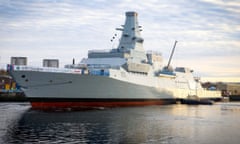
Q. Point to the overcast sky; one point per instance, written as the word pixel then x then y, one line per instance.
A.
pixel 208 31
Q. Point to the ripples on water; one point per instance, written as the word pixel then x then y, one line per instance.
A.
pixel 153 124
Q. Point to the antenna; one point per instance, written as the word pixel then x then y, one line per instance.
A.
pixel 170 58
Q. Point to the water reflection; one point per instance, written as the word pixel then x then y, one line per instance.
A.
pixel 154 124
pixel 50 127
pixel 120 125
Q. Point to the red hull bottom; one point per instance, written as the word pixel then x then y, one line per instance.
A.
pixel 95 104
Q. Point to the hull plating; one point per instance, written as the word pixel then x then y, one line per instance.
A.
pixel 41 86
pixel 72 90
pixel 97 103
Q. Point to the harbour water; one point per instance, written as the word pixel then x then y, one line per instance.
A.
pixel 168 124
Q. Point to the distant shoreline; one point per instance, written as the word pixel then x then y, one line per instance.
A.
pixel 13 97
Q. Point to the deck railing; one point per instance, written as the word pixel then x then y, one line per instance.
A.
pixel 92 71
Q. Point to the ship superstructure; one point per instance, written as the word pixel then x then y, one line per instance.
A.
pixel 124 76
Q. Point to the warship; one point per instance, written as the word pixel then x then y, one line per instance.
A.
pixel 123 76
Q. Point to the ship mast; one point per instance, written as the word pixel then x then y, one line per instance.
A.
pixel 131 38
pixel 170 58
